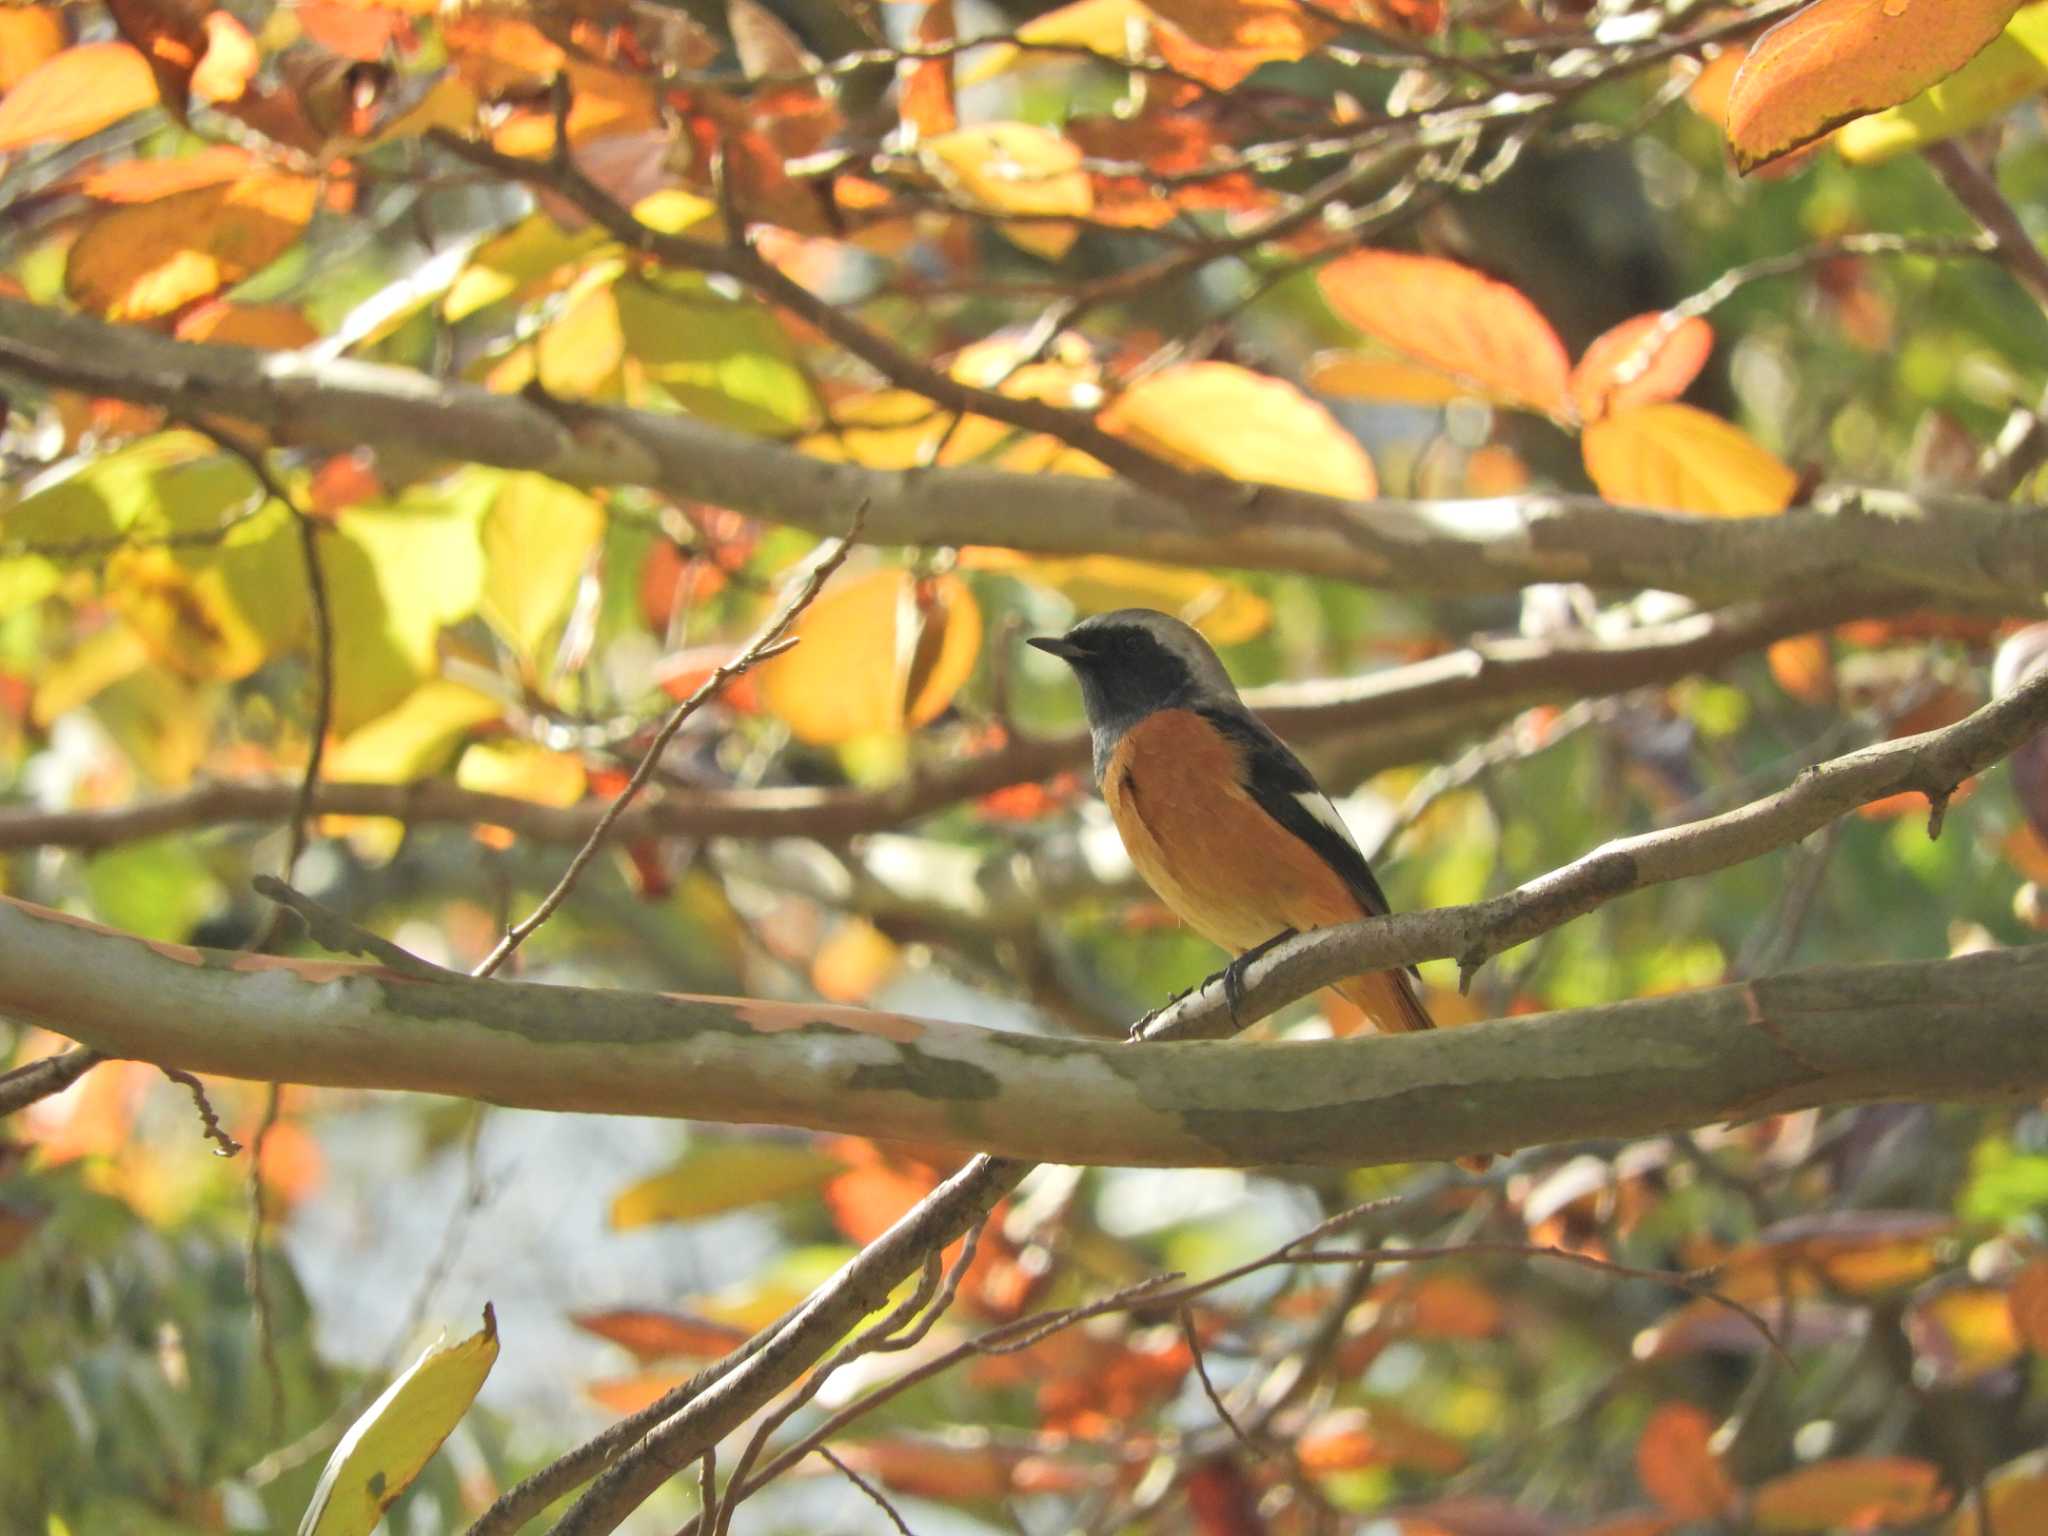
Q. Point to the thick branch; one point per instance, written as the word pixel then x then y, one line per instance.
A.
pixel 1408 711
pixel 1959 549
pixel 1819 1037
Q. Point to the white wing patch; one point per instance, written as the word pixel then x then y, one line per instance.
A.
pixel 1317 804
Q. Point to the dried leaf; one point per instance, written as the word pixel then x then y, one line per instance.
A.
pixel 1456 320
pixel 2011 68
pixel 1263 29
pixel 924 87
pixel 1835 60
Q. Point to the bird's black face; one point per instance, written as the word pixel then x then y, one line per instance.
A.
pixel 1125 673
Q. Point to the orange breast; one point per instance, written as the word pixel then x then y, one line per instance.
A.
pixel 1176 791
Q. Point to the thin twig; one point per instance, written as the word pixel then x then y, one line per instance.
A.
pixel 771 641
pixel 1187 1331
pixel 224 1144
pixel 869 1489
pixel 42 1079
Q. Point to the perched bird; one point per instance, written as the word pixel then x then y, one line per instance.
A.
pixel 1221 819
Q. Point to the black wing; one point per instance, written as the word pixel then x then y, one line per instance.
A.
pixel 1290 795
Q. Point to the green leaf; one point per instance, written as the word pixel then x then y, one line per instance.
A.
pixel 537 538
pixel 2005 1186
pixel 512 263
pixel 723 1175
pixel 160 889
pixel 397 571
pixel 385 1449
pixel 727 361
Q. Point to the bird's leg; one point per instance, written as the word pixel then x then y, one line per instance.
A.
pixel 1233 974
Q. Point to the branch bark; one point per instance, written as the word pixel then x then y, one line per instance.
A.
pixel 1957 549
pixel 1822 1037
pixel 1410 711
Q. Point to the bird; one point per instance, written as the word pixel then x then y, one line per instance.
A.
pixel 1224 823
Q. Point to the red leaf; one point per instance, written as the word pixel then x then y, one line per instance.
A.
pixel 1633 364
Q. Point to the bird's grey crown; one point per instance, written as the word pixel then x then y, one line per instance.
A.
pixel 1133 662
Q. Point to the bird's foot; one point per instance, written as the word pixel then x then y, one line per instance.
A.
pixel 1136 1032
pixel 1233 975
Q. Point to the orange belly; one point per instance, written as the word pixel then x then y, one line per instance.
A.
pixel 1236 876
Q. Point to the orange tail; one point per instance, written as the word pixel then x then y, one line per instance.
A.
pixel 1390 1000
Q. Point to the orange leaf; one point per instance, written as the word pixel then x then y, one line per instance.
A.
pixel 1640 363
pixel 2028 1300
pixel 1962 1332
pixel 629 1394
pixel 855 963
pixel 1640 1522
pixel 1350 1438
pixel 1856 1492
pixel 1861 1252
pixel 356 31
pixel 1455 319
pixel 144 181
pixel 1678 1468
pixel 1681 459
pixel 275 327
pixel 1245 425
pixel 28 36
pixel 1265 29
pixel 148 260
pixel 1838 59
pixel 884 653
pixel 78 92
pixel 229 61
pixel 1358 376
pixel 1804 666
pixel 924 87
pixel 651 1335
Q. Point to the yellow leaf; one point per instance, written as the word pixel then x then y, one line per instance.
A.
pixel 1226 612
pixel 1245 425
pixel 100 660
pixel 579 351
pixel 882 654
pixel 855 963
pixel 1016 168
pixel 146 260
pixel 77 92
pixel 1106 27
pixel 2017 1494
pixel 524 770
pixel 1835 60
pixel 2011 68
pixel 1682 459
pixel 1356 376
pixel 722 1174
pixel 533 256
pixel 416 738
pixel 387 1447
pixel 537 539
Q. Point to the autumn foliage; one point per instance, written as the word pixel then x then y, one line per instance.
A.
pixel 1331 290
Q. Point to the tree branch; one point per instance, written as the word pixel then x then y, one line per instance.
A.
pixel 1781 1043
pixel 1961 549
pixel 1408 711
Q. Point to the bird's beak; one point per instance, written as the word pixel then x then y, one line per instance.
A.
pixel 1054 645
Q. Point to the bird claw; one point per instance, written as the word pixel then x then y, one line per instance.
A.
pixel 1136 1032
pixel 1233 975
